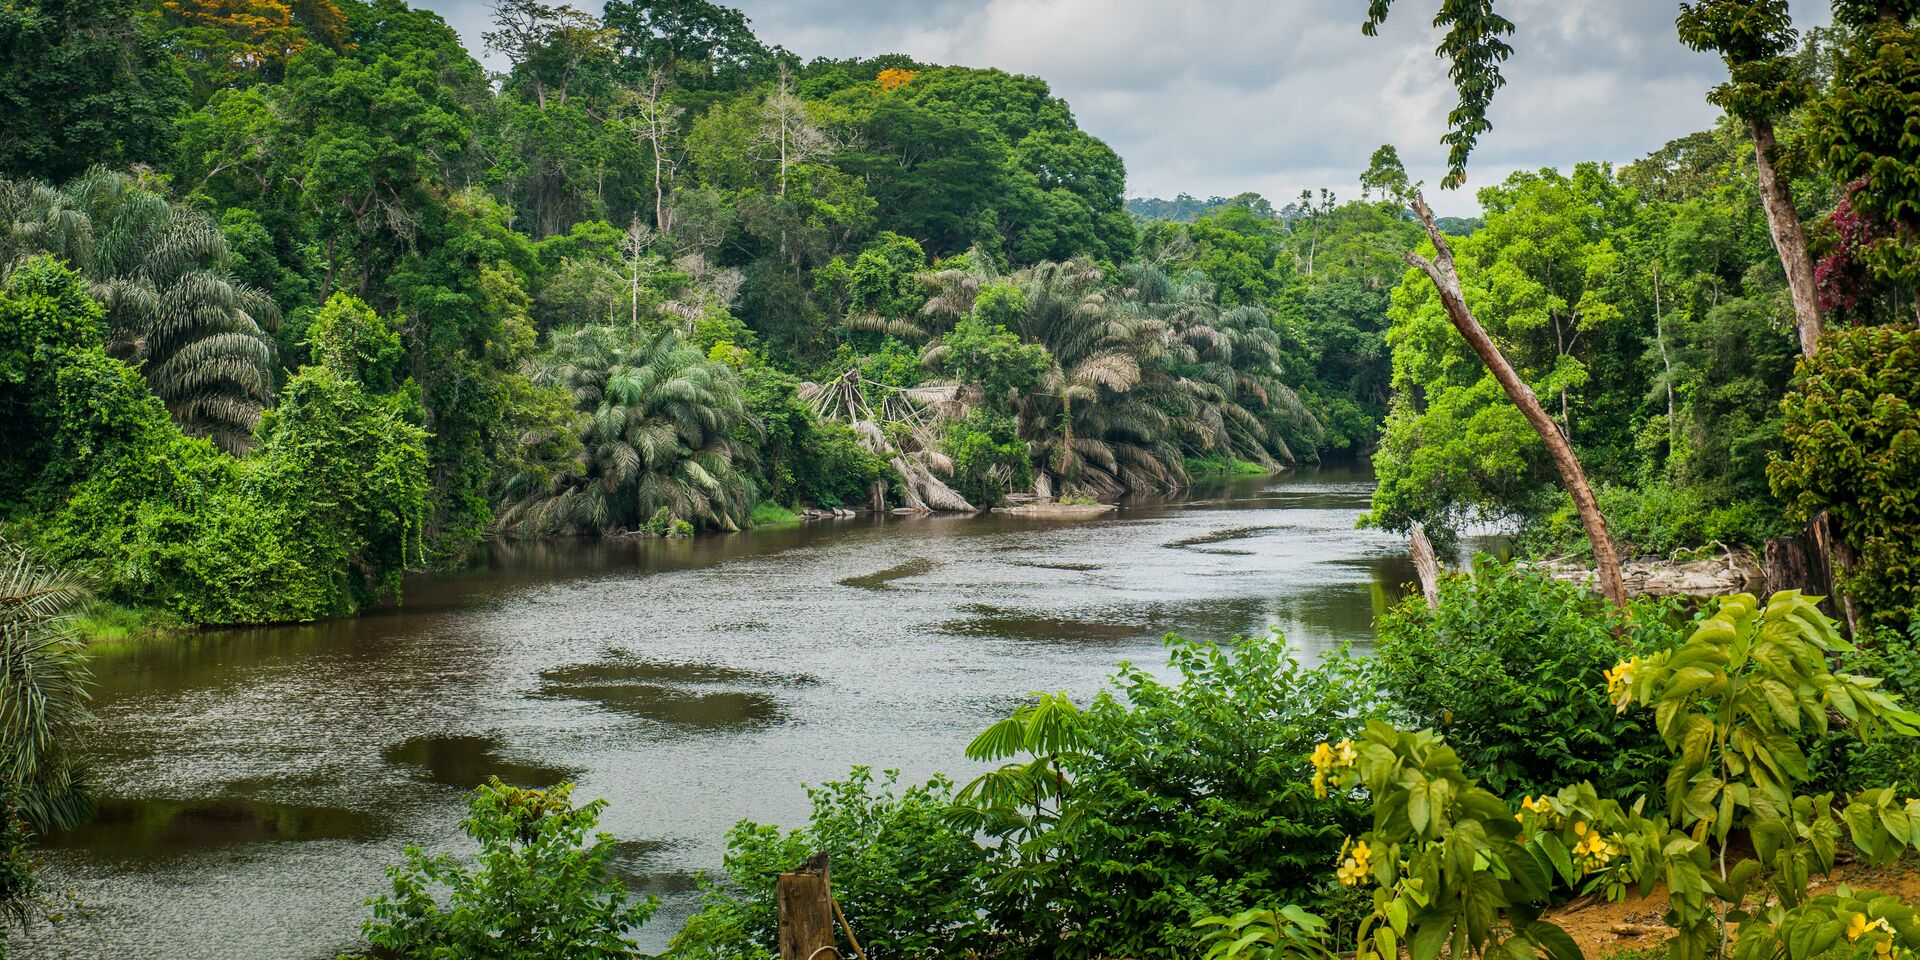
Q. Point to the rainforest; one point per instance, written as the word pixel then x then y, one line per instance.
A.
pixel 601 483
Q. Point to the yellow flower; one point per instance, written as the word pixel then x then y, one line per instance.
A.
pixel 1859 927
pixel 1330 763
pixel 1620 683
pixel 1354 866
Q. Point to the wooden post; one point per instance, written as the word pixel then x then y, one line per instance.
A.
pixel 806 912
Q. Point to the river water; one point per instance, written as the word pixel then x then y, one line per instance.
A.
pixel 255 784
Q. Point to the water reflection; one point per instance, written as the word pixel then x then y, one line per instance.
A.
pixel 466 761
pixel 150 828
pixel 258 782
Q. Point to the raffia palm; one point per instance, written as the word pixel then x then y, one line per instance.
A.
pixel 1148 368
pixel 172 307
pixel 1092 424
pixel 658 424
pixel 43 690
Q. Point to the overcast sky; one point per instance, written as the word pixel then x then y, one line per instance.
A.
pixel 1216 97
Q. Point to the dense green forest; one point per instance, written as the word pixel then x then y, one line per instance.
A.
pixel 297 298
pixel 660 275
pixel 628 285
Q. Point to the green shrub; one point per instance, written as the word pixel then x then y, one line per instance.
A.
pixel 1174 800
pixel 324 516
pixel 989 458
pixel 1849 763
pixel 803 459
pixel 540 887
pixel 983 353
pixel 836 469
pixel 1509 669
pixel 1852 449
pixel 767 513
pixel 908 878
pixel 1224 466
pixel 1655 520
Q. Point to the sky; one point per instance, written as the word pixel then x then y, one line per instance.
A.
pixel 1217 97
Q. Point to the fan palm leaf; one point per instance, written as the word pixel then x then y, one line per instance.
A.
pixel 44 689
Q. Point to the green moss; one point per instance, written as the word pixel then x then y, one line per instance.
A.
pixel 108 622
pixel 1198 467
pixel 766 513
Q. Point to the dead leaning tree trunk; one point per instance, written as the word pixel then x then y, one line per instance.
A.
pixel 1446 281
pixel 1789 237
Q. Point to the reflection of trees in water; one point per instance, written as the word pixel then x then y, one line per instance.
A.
pixel 168 828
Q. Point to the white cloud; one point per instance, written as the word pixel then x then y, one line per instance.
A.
pixel 1217 97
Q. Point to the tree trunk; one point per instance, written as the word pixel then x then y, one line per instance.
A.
pixel 1789 238
pixel 1440 270
pixel 806 912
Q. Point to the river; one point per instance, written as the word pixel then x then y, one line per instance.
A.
pixel 256 783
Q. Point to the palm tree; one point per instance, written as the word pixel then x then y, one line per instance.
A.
pixel 1093 423
pixel 172 306
pixel 43 690
pixel 658 423
pixel 1227 389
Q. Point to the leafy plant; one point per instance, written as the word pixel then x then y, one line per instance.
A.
pixel 1163 801
pixel 1455 870
pixel 1852 449
pixel 45 687
pixel 540 886
pixel 1507 669
pixel 657 420
pixel 907 877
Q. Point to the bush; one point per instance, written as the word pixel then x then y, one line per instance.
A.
pixel 1852 449
pixel 989 458
pixel 1852 764
pixel 1179 799
pixel 324 516
pixel 1509 668
pixel 907 877
pixel 1655 521
pixel 802 458
pixel 540 888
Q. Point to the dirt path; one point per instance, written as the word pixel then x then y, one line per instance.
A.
pixel 1603 929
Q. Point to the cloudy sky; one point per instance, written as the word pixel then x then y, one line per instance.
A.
pixel 1215 97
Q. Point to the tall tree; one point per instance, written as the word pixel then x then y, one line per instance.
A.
pixel 1754 38
pixel 1386 173
pixel 82 83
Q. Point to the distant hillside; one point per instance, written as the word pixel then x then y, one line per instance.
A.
pixel 1186 208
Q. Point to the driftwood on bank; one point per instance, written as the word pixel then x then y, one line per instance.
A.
pixel 1426 565
pixel 1732 570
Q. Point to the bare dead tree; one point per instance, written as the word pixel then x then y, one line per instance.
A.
pixel 1446 281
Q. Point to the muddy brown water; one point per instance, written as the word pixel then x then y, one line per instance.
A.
pixel 256 784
